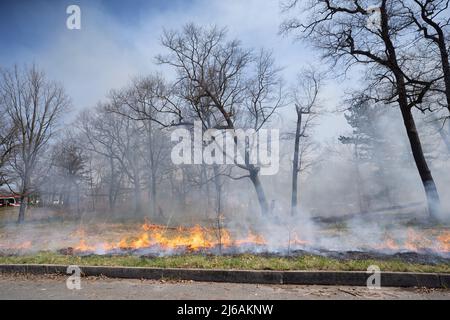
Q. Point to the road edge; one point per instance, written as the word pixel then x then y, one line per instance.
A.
pixel 344 278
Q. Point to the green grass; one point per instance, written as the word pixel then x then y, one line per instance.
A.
pixel 241 262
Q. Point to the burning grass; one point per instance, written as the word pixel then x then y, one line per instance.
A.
pixel 161 240
pixel 235 262
pixel 392 247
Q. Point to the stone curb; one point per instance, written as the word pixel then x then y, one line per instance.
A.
pixel 345 278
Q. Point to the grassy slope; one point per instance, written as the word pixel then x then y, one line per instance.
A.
pixel 249 262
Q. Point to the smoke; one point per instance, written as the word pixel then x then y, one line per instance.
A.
pixel 369 201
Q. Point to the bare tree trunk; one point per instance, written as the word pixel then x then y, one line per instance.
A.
pixel 137 196
pixel 92 195
pixel 254 177
pixel 218 188
pixel 429 185
pixel 23 208
pixel 446 70
pixel 78 198
pixel 111 197
pixel 417 151
pixel 152 169
pixel 359 184
pixel 153 191
pixel 295 165
pixel 23 199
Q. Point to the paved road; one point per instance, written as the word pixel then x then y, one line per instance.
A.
pixel 54 287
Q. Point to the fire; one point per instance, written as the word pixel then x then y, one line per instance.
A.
pixel 296 240
pixel 388 244
pixel 25 245
pixel 142 242
pixel 416 241
pixel 444 241
pixel 391 244
pixel 251 239
pixel 82 246
pixel 225 238
pixel 192 239
pixel 171 240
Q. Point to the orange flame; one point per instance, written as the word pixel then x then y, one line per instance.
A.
pixel 82 246
pixel 444 241
pixel 251 239
pixel 25 245
pixel 388 244
pixel 193 239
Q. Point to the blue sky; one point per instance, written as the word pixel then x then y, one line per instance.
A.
pixel 119 40
pixel 33 24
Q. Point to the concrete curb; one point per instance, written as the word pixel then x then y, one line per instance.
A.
pixel 346 278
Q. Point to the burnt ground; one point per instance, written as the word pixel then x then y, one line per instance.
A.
pixel 423 257
pixel 54 287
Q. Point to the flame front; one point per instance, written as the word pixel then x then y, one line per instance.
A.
pixel 444 241
pixel 110 238
pixel 197 238
pixel 415 241
pixel 190 238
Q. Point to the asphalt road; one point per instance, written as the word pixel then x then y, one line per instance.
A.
pixel 54 287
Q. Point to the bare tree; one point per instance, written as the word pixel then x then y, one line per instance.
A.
pixel 7 144
pixel 96 140
pixel 34 106
pixel 432 21
pixel 430 18
pixel 224 85
pixel 69 161
pixel 118 139
pixel 148 103
pixel 306 102
pixel 342 31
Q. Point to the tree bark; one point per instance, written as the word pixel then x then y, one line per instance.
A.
pixel 359 182
pixel 112 186
pixel 429 185
pixel 153 191
pixel 23 208
pixel 137 196
pixel 295 165
pixel 254 177
pixel 152 169
pixel 218 187
pixel 446 71
pixel 23 199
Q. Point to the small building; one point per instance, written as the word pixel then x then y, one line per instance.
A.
pixel 9 201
